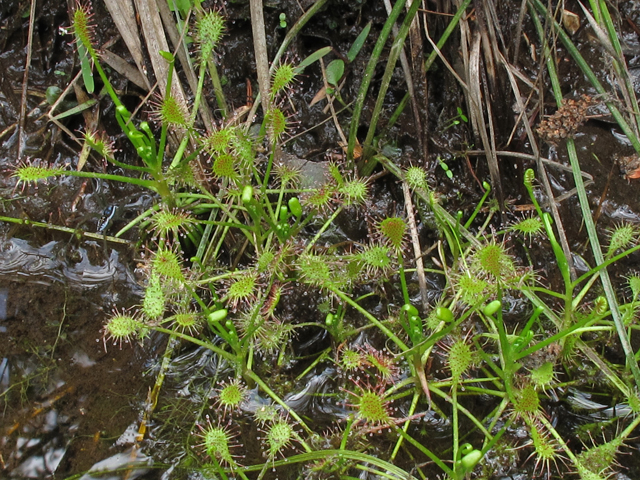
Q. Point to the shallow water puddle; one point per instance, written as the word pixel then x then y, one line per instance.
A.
pixel 65 400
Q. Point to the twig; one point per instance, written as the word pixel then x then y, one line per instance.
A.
pixel 367 77
pixel 293 137
pixel 518 36
pixel 156 41
pixel 533 158
pixel 330 104
pixel 260 49
pixel 478 120
pixel 25 81
pixel 124 17
pixel 415 241
pixel 302 21
pixel 366 165
pixel 409 80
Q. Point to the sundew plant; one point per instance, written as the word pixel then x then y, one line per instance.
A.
pixel 314 355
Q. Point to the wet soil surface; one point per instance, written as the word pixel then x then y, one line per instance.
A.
pixel 67 403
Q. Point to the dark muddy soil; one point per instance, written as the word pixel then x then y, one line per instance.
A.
pixel 67 403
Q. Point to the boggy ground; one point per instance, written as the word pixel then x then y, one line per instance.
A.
pixel 67 402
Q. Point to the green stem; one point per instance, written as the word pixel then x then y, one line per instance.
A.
pixel 577 177
pixel 72 231
pixel 217 88
pixel 368 76
pixel 229 356
pixel 251 374
pixel 425 450
pixel 403 280
pixel 405 426
pixel 322 230
pixel 596 249
pixel 366 164
pixel 455 425
pixel 150 184
pixel 308 457
pixel 403 347
pixel 445 36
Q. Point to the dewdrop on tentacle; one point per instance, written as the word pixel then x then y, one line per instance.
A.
pixel 416 178
pixel 600 459
pixel 392 230
pixel 209 29
pixel 154 298
pixel 633 282
pixel 351 359
pixel 279 434
pixel 315 270
pixel 287 175
pixel 82 26
pixel 526 403
pixel 33 172
pixel 224 167
pixel 528 227
pixel 121 327
pixel 546 448
pixel 321 199
pixel 218 442
pixel 354 192
pixel 243 290
pixel 166 263
pixel 471 288
pixel 186 321
pixel 282 78
pixel 100 143
pixel 266 413
pixel 376 260
pixel 276 122
pixel 220 140
pixel 384 365
pixel 231 395
pixel 621 237
pixel 171 221
pixel 170 111
pixel 459 359
pixel 370 404
pixel 492 260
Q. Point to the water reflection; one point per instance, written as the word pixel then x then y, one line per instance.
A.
pixel 64 400
pixel 4 295
pixel 83 266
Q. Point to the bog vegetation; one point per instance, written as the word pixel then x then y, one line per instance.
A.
pixel 237 237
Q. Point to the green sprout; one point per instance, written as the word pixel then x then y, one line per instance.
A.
pixel 445 167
